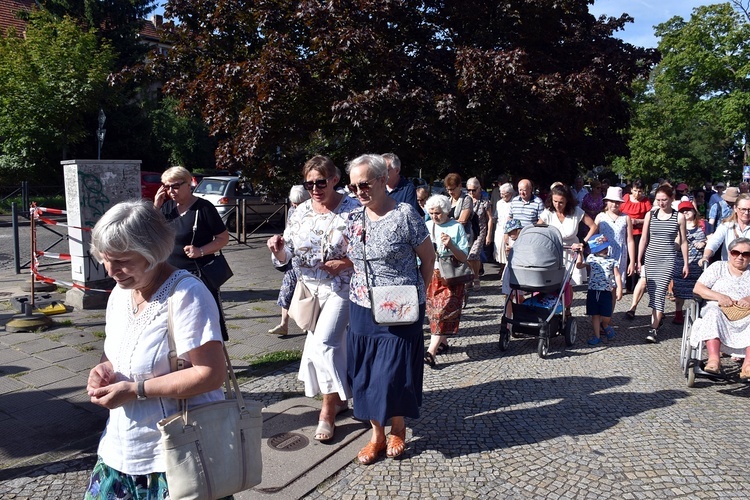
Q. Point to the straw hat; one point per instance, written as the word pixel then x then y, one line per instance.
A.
pixel 614 193
pixel 731 194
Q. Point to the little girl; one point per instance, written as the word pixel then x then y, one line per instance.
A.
pixel 602 269
pixel 511 230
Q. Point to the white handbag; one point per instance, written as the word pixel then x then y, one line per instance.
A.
pixel 211 450
pixel 390 305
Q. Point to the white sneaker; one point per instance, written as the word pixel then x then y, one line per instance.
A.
pixel 651 337
pixel 280 330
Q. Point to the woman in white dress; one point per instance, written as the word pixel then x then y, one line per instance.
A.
pixel 723 284
pixel 564 213
pixel 502 213
pixel 316 239
pixel 618 228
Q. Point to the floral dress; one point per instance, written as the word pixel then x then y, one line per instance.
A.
pixel 734 335
pixel 616 231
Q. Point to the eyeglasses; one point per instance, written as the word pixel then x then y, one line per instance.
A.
pixel 744 210
pixel 737 253
pixel 320 184
pixel 471 190
pixel 175 186
pixel 360 186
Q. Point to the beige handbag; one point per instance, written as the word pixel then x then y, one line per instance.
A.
pixel 735 312
pixel 212 450
pixel 305 306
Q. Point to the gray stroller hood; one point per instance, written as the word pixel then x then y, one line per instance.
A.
pixel 536 259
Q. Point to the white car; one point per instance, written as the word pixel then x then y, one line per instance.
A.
pixel 225 193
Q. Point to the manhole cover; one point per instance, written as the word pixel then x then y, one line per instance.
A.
pixel 288 441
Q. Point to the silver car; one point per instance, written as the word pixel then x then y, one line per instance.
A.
pixel 225 193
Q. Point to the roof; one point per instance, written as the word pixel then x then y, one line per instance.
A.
pixel 150 29
pixel 8 15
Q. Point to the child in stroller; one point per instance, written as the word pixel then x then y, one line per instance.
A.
pixel 536 265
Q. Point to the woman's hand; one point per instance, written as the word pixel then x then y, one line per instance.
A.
pixel 193 252
pixel 744 302
pixel 724 300
pixel 446 240
pixel 160 197
pixel 685 271
pixel 100 376
pixel 114 395
pixel 334 267
pixel 631 268
pixel 276 245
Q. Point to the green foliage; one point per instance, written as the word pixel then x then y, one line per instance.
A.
pixel 693 117
pixel 184 137
pixel 49 80
pixel 532 88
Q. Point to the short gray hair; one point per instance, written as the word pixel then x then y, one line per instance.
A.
pixel 737 241
pixel 176 174
pixel 393 160
pixel 376 165
pixel 507 188
pixel 298 194
pixel 474 182
pixel 439 201
pixel 133 226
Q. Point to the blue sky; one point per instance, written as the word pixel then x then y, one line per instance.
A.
pixel 647 14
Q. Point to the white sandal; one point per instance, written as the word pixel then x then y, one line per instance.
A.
pixel 279 330
pixel 324 432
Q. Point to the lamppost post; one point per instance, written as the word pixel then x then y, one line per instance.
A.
pixel 100 133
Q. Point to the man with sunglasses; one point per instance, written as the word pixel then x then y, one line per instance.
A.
pixel 399 188
pixel 721 210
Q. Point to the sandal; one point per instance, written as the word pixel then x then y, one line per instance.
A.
pixel 712 366
pixel 429 359
pixel 324 432
pixel 630 314
pixel 443 348
pixel 396 444
pixel 369 453
pixel 280 330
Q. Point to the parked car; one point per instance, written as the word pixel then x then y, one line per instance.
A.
pixel 226 191
pixel 197 178
pixel 150 184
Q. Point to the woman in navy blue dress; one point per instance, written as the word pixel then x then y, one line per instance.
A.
pixel 385 363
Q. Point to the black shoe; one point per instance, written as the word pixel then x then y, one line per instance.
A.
pixel 429 359
pixel 651 337
pixel 443 348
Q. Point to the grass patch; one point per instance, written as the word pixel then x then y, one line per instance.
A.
pixel 19 374
pixel 85 347
pixel 234 327
pixel 54 336
pixel 267 363
pixel 99 334
pixel 61 289
pixel 259 309
pixel 65 322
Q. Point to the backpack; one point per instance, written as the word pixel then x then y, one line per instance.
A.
pixel 474 219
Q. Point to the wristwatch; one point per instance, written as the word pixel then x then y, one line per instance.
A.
pixel 140 391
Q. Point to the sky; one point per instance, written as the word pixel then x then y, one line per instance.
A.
pixel 647 14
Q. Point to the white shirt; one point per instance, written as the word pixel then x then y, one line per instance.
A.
pixel 138 348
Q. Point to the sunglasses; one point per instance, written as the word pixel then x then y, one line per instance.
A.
pixel 471 190
pixel 175 186
pixel 360 186
pixel 737 253
pixel 320 184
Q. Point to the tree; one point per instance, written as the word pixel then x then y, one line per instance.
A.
pixel 49 81
pixel 693 116
pixel 476 87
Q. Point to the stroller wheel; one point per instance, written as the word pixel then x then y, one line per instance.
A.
pixel 690 374
pixel 543 347
pixel 504 338
pixel 570 331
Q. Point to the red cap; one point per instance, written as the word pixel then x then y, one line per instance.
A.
pixel 682 187
pixel 685 205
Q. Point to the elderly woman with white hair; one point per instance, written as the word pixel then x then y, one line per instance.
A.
pixel 133 380
pixel 502 211
pixel 297 195
pixel 444 301
pixel 385 362
pixel 199 230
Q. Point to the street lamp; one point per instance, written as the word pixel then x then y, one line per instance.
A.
pixel 100 133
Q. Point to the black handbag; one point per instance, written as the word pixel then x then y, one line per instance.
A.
pixel 215 272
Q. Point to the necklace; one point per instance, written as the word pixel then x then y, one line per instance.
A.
pixel 137 304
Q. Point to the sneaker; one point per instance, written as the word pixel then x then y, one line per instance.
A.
pixel 609 332
pixel 651 337
pixel 595 341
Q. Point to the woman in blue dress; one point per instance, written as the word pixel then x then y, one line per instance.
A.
pixel 385 367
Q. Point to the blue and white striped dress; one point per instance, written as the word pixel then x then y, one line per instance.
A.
pixel 660 256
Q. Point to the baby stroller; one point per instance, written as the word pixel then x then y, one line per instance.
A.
pixel 536 265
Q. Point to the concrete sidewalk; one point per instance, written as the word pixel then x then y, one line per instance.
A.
pixel 611 421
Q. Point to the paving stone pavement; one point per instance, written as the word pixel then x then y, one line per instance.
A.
pixel 611 421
